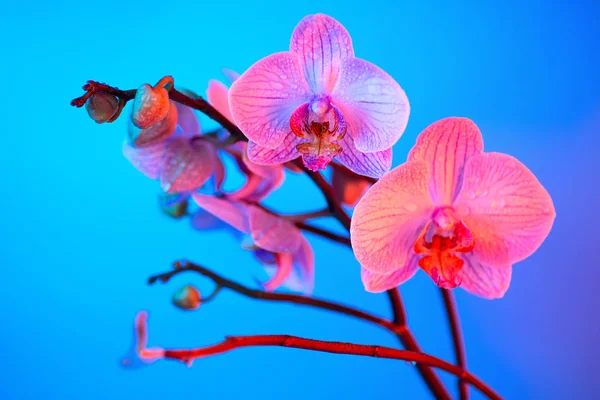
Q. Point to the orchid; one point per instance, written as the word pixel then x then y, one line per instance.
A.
pixel 261 179
pixel 275 241
pixel 318 101
pixel 462 215
pixel 180 162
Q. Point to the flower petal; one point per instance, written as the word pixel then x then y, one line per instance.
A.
pixel 506 207
pixel 377 283
pixel 203 220
pixel 218 96
pixel 263 99
pixel 147 160
pixel 348 187
pixel 374 105
pixel 282 270
pixel 301 278
pixel 272 232
pixel 231 212
pixel 186 166
pixel 284 153
pixel 482 281
pixel 322 43
pixel 138 354
pixel 368 164
pixel 389 218
pixel 231 75
pixel 188 121
pixel 445 146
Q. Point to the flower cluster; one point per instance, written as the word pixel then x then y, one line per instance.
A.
pixel 462 215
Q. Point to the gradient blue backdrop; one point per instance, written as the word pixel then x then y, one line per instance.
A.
pixel 81 230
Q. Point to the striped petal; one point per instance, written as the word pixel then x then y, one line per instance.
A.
pixel 374 165
pixel 482 281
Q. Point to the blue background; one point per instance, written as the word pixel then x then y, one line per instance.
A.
pixel 81 230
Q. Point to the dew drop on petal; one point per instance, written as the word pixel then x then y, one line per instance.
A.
pixel 410 207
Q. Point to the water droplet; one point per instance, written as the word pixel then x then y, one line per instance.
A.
pixel 283 76
pixel 497 203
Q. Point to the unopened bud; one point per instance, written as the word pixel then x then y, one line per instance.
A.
pixel 187 298
pixel 156 133
pixel 102 107
pixel 150 106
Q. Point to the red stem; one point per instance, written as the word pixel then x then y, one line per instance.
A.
pixel 235 342
pixel 457 339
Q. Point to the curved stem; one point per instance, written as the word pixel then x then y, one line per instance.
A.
pixel 457 339
pixel 223 282
pixel 324 233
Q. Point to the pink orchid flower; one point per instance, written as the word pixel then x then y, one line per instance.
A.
pixel 261 180
pixel 181 164
pixel 275 241
pixel 318 101
pixel 348 187
pixel 462 215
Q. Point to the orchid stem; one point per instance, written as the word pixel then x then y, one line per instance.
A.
pixel 457 338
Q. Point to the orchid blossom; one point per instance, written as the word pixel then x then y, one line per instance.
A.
pixel 180 163
pixel 275 241
pixel 261 180
pixel 318 101
pixel 462 215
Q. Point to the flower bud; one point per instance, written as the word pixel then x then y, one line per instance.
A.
pixel 174 205
pixel 156 133
pixel 150 106
pixel 187 298
pixel 102 107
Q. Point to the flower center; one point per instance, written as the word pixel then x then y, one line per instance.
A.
pixel 443 237
pixel 321 124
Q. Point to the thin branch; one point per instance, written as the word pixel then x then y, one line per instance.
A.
pixel 457 339
pixel 324 233
pixel 219 280
pixel 236 342
pixel 302 217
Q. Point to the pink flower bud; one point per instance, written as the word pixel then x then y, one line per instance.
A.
pixel 155 133
pixel 102 107
pixel 150 106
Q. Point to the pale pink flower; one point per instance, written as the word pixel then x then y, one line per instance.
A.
pixel 318 101
pixel 261 180
pixel 182 164
pixel 276 242
pixel 462 215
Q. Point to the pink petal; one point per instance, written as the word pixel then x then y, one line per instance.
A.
pixel 188 121
pixel 230 212
pixel 218 173
pixel 231 75
pixel 272 232
pixel 322 43
pixel 186 166
pixel 390 217
pixel 263 99
pixel 284 153
pixel 506 207
pixel 282 270
pixel 348 187
pixel 368 164
pixel 482 281
pixel 445 146
pixel 203 220
pixel 301 278
pixel 147 160
pixel 218 96
pixel 377 283
pixel 374 105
